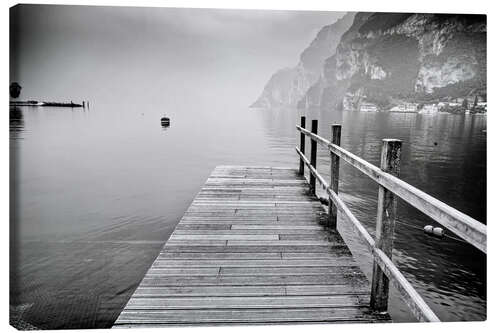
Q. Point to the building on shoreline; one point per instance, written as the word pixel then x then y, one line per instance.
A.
pixel 405 107
pixel 368 107
pixel 429 109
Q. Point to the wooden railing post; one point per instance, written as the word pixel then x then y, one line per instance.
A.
pixel 386 215
pixel 314 148
pixel 302 144
pixel 334 176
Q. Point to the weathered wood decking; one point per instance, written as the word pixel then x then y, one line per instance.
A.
pixel 251 248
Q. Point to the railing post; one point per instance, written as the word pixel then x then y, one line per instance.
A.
pixel 302 145
pixel 386 215
pixel 314 144
pixel 334 176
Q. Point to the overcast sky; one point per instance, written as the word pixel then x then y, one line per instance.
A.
pixel 72 52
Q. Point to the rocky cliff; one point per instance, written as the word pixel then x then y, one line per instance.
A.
pixel 386 58
pixel 288 85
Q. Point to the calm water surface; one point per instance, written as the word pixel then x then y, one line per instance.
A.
pixel 95 194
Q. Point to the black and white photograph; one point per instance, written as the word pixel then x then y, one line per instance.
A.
pixel 176 166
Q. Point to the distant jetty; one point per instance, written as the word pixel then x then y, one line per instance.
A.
pixel 37 103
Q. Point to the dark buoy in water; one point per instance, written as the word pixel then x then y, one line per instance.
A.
pixel 165 121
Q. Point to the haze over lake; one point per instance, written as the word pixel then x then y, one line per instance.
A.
pixel 98 191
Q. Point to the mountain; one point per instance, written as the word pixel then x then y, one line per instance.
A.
pixel 288 85
pixel 388 58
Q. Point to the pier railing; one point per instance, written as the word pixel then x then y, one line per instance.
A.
pixel 390 187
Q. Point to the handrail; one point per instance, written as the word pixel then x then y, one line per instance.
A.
pixel 416 304
pixel 461 224
pixel 390 186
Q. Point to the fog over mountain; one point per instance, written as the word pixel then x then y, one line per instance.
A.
pixel 388 58
pixel 288 85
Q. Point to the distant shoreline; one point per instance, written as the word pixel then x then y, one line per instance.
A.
pixel 37 103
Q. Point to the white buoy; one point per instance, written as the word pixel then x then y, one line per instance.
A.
pixel 434 231
pixel 438 232
pixel 428 229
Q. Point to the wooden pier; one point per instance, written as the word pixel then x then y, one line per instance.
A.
pixel 256 246
pixel 251 248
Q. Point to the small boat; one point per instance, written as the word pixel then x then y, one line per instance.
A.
pixel 165 121
pixel 70 105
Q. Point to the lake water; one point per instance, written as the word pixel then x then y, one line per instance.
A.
pixel 95 193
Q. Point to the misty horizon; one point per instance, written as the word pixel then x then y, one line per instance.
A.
pixel 164 55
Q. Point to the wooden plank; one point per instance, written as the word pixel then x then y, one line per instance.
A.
pixel 281 280
pixel 262 290
pixel 311 290
pixel 222 302
pixel 248 243
pixel 337 314
pixel 340 252
pixel 219 255
pixel 207 291
pixel 184 271
pixel 269 220
pixel 308 237
pixel 202 242
pixel 201 227
pixel 277 226
pixel 278 242
pixel 271 202
pixel 253 249
pixel 292 270
pixel 177 236
pixel 255 232
pixel 343 261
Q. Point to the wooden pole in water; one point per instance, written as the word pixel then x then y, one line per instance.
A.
pixel 302 144
pixel 334 176
pixel 314 144
pixel 386 218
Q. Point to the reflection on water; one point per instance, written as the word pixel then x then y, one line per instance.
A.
pixel 16 122
pixel 96 193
